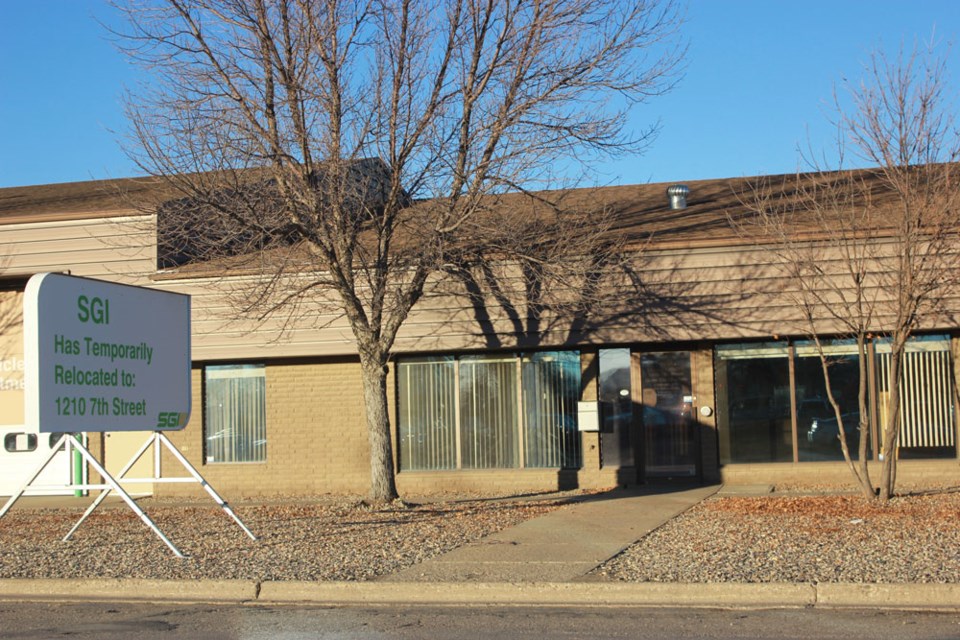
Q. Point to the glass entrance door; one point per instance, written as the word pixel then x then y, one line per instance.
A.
pixel 669 428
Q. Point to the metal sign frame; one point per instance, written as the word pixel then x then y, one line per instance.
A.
pixel 155 440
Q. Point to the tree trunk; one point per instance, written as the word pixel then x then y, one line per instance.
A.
pixel 866 486
pixel 383 486
pixel 891 431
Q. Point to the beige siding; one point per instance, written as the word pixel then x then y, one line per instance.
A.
pixel 316 433
pixel 11 358
pixel 119 249
pixel 705 294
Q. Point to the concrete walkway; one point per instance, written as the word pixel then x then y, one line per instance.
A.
pixel 563 545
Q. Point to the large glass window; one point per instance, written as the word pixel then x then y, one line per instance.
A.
pixel 489 411
pixel 761 386
pixel 427 395
pixel 235 424
pixel 551 388
pixel 616 409
pixel 669 438
pixel 818 432
pixel 753 403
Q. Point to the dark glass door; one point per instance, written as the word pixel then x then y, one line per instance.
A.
pixel 669 434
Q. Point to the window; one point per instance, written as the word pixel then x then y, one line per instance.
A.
pixel 818 432
pixel 616 408
pixel 761 386
pixel 427 398
pixel 20 442
pixel 927 424
pixel 489 411
pixel 235 424
pixel 551 389
pixel 753 403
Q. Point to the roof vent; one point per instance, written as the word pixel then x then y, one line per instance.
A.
pixel 678 196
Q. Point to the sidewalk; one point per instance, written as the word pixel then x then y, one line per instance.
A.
pixel 562 546
pixel 542 562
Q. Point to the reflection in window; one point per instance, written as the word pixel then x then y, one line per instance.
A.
pixel 818 432
pixel 616 409
pixel 551 388
pixel 667 414
pixel 754 412
pixel 753 402
pixel 235 425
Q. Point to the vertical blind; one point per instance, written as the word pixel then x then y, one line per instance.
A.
pixel 236 413
pixel 551 388
pixel 926 394
pixel 489 411
pixel 428 407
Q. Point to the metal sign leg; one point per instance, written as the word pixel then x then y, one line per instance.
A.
pixel 112 483
pixel 104 493
pixel 161 437
pixel 126 497
pixel 16 496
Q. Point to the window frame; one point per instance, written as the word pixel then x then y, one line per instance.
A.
pixel 259 448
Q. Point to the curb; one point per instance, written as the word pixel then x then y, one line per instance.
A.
pixel 541 594
pixel 890 596
pixel 944 597
pixel 129 589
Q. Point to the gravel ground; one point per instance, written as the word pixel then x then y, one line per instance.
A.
pixel 800 539
pixel 297 540
pixel 793 538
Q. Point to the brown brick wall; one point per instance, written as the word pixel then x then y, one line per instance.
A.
pixel 927 473
pixel 702 372
pixel 316 436
pixel 317 444
pixel 501 482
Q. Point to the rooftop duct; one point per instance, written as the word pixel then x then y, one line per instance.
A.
pixel 678 196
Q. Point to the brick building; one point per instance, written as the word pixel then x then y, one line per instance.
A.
pixel 713 378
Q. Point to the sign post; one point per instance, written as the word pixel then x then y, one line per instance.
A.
pixel 101 356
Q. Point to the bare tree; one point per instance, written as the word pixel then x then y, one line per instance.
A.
pixel 820 227
pixel 349 146
pixel 872 253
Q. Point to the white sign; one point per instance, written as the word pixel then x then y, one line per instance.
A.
pixel 588 416
pixel 101 356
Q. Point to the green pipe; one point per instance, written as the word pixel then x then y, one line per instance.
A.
pixel 78 467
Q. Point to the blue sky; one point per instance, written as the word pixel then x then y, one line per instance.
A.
pixel 758 86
